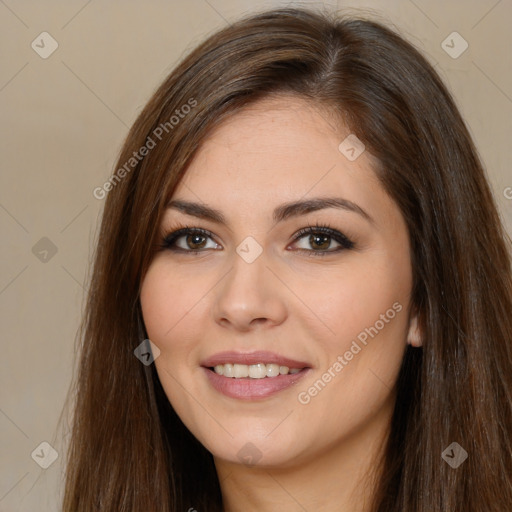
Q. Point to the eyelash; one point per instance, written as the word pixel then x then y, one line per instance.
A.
pixel 179 231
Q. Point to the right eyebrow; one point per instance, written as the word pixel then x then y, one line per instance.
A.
pixel 198 210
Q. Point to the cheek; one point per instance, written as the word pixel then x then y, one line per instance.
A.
pixel 155 304
pixel 359 294
pixel 174 315
pixel 165 307
pixel 355 382
pixel 166 299
pixel 365 309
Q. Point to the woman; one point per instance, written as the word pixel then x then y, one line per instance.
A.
pixel 300 224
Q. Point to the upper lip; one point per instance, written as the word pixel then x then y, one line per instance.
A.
pixel 249 358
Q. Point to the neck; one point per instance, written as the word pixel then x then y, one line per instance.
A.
pixel 340 478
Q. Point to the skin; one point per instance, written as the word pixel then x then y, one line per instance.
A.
pixel 321 455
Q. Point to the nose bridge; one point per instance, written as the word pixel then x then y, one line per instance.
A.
pixel 248 275
pixel 248 290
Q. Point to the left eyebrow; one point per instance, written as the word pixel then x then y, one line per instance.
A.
pixel 297 208
pixel 281 213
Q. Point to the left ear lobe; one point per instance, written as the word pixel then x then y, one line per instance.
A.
pixel 414 336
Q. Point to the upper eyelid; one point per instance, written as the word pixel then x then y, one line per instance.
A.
pixel 299 233
pixel 180 232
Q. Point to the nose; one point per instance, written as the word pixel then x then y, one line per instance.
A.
pixel 249 295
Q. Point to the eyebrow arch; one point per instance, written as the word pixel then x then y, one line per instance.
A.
pixel 281 213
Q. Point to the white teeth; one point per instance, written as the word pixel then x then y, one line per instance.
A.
pixel 257 371
pixel 228 370
pixel 253 371
pixel 272 370
pixel 240 371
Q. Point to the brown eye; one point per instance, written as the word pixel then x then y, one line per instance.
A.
pixel 319 240
pixel 192 240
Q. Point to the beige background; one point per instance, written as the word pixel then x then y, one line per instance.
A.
pixel 63 121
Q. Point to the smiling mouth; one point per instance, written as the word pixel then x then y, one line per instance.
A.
pixel 251 382
pixel 253 371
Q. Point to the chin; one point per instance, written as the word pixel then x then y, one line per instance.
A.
pixel 257 448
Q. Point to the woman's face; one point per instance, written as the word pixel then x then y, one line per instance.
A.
pixel 332 303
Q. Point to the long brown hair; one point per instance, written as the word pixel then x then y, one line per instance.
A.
pixel 128 449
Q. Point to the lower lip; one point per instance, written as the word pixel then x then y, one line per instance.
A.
pixel 251 389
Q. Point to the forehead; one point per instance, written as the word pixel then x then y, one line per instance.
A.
pixel 276 125
pixel 283 143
